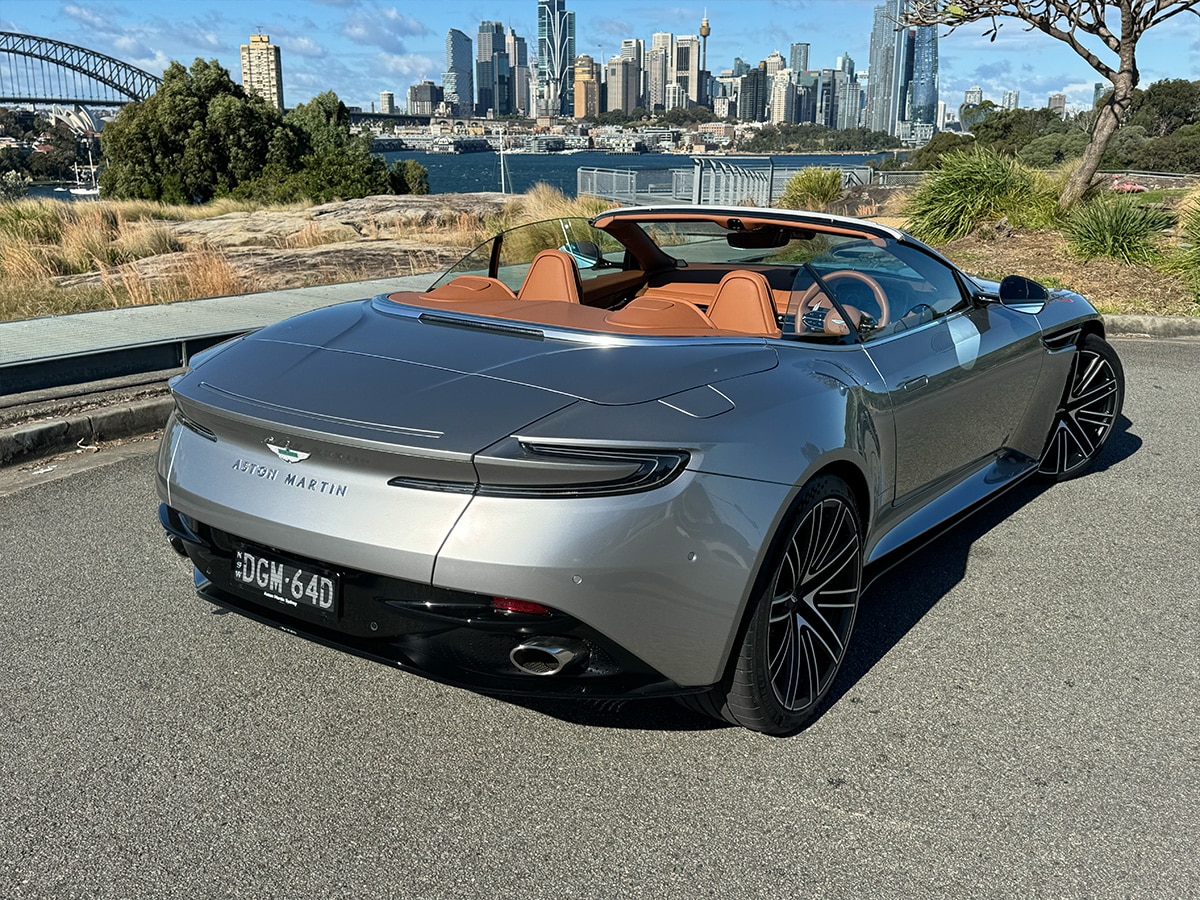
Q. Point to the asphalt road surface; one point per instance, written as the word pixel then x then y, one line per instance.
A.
pixel 1019 717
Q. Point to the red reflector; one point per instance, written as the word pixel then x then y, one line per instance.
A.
pixel 509 605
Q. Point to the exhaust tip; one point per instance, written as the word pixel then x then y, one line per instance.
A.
pixel 548 655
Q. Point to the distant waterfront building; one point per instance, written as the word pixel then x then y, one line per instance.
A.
pixel 262 73
pixel 587 87
pixel 799 57
pixel 849 104
pixel 1058 104
pixel 1011 100
pixel 493 71
pixel 775 63
pixel 555 55
pixel 424 98
pixel 973 96
pixel 1099 89
pixel 845 63
pixel 387 103
pixel 458 82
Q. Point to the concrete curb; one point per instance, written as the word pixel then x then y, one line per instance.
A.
pixel 45 438
pixel 1153 326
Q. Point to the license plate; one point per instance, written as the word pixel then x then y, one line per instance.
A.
pixel 284 582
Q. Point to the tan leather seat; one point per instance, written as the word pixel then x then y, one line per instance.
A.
pixel 743 303
pixel 659 314
pixel 553 275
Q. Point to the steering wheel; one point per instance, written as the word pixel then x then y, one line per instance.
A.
pixel 876 291
pixel 916 309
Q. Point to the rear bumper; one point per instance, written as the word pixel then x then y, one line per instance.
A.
pixel 453 637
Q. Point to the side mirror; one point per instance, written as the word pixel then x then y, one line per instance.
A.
pixel 1018 289
pixel 586 253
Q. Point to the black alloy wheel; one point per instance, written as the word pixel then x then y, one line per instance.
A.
pixel 1087 413
pixel 800 625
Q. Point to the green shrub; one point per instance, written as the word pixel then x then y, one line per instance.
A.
pixel 811 188
pixel 978 186
pixel 1186 260
pixel 1121 227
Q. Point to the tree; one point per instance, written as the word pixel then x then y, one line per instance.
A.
pixel 197 136
pixel 1084 27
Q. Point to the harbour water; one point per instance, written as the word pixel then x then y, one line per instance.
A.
pixel 472 172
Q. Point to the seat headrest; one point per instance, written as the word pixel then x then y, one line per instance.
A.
pixel 553 275
pixel 743 303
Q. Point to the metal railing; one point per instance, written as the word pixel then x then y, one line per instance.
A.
pixel 734 181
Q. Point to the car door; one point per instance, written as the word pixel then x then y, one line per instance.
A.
pixel 959 373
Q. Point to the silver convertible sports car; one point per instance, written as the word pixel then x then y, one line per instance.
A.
pixel 660 452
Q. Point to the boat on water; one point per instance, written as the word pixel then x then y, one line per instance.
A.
pixel 88 187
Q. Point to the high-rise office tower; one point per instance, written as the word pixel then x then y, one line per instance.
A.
pixel 658 68
pixel 493 71
pixel 518 57
pixel 387 103
pixel 799 58
pixel 587 87
pixel 754 95
pixel 923 108
pixel 1011 100
pixel 261 71
pixel 1058 104
pixel 555 56
pixel 622 84
pixel 458 81
pixel 904 72
pixel 687 67
pixel 634 49
pixel 973 96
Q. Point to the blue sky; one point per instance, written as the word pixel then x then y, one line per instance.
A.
pixel 361 47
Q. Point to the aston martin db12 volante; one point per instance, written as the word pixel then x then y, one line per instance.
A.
pixel 657 452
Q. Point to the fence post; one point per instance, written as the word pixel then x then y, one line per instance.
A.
pixel 697 179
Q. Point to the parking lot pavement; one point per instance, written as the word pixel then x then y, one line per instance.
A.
pixel 1020 717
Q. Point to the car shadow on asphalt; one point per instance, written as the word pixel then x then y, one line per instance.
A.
pixel 895 602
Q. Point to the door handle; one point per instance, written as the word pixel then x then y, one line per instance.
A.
pixel 912 384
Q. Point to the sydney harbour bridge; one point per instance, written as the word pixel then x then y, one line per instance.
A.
pixel 41 71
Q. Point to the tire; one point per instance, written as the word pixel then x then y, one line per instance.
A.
pixel 800 622
pixel 1087 412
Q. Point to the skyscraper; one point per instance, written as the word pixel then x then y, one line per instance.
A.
pixel 686 69
pixel 518 57
pixel 658 68
pixel 634 49
pixel 587 87
pixel 261 71
pixel 799 58
pixel 387 103
pixel 457 80
pixel 904 72
pixel 493 71
pixel 556 53
pixel 1011 100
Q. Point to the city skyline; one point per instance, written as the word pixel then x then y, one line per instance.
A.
pixel 359 48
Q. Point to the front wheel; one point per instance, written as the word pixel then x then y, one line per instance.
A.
pixel 800 624
pixel 1087 413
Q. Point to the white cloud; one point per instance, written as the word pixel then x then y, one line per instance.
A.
pixel 414 65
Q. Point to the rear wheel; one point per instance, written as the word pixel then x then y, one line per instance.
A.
pixel 1089 408
pixel 800 624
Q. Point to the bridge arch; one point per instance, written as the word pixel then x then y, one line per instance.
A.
pixel 42 70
